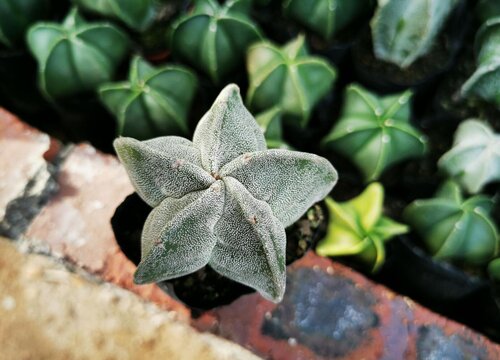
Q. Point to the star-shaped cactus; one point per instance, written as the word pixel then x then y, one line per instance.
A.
pixel 357 227
pixel 375 132
pixel 287 77
pixel 75 56
pixel 474 159
pixel 222 199
pixel 214 37
pixel 454 228
pixel 144 106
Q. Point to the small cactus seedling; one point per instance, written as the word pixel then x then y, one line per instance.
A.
pixel 75 56
pixel 287 77
pixel 153 102
pixel 214 37
pixel 325 17
pixel 271 124
pixel 483 83
pixel 375 132
pixel 357 227
pixel 137 14
pixel 16 16
pixel 474 159
pixel 454 228
pixel 404 30
pixel 223 199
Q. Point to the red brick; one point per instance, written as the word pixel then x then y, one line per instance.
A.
pixel 75 224
pixel 298 327
pixel 21 156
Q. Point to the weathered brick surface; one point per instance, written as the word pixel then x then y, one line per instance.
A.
pixel 21 157
pixel 48 313
pixel 331 312
pixel 76 222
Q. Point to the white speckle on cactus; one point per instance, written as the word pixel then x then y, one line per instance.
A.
pixel 222 200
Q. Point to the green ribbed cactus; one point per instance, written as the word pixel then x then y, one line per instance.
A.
pixel 484 82
pixel 474 159
pixel 76 56
pixel 16 16
pixel 404 30
pixel 374 132
pixel 454 228
pixel 357 227
pixel 213 37
pixel 137 14
pixel 153 102
pixel 222 199
pixel 287 77
pixel 325 17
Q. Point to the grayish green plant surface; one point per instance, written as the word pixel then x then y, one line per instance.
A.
pixel 75 56
pixel 474 159
pixel 404 30
pixel 485 81
pixel 145 106
pixel 222 199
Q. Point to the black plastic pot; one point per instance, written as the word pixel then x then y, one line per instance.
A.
pixel 205 289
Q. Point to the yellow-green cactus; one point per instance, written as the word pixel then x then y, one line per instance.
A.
pixel 357 227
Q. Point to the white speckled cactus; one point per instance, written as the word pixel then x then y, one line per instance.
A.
pixel 474 159
pixel 223 199
pixel 404 30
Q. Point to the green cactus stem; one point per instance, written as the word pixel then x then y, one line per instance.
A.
pixel 213 37
pixel 75 56
pixel 474 159
pixel 375 132
pixel 405 30
pixel 287 77
pixel 153 102
pixel 454 228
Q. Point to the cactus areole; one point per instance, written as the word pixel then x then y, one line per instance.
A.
pixel 223 199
